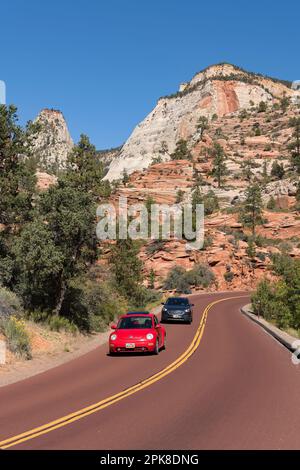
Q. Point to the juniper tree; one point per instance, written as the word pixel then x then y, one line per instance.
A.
pixel 294 146
pixel 277 170
pixel 265 175
pixel 252 208
pixel 85 170
pixel 181 151
pixel 125 177
pixel 247 169
pixel 127 267
pixel 219 169
pixel 202 125
pixel 17 174
pixel 262 107
pixel 71 216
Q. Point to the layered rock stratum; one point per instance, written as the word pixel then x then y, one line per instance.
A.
pixel 218 90
pixel 253 137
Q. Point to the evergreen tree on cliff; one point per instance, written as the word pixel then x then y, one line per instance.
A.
pixel 252 215
pixel 17 177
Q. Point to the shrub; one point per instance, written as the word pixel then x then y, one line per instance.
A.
pixel 271 203
pixel 200 275
pixel 262 107
pixel 228 276
pixel 211 203
pixel 58 323
pixel 91 304
pixel 261 299
pixel 155 246
pixel 277 170
pixel 280 301
pixel 176 280
pixel 181 280
pixel 260 255
pixel 144 296
pixel 17 336
pixel 10 304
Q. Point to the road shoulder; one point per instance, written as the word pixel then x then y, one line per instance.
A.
pixel 284 338
pixel 22 370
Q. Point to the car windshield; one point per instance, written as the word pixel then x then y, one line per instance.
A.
pixel 177 301
pixel 135 322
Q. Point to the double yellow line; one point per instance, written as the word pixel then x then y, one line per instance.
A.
pixel 71 418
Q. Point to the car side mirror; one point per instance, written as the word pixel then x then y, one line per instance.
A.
pixel 113 327
pixel 163 303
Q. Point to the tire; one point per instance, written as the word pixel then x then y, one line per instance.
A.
pixel 164 346
pixel 156 350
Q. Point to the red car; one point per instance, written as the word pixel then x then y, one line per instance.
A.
pixel 137 332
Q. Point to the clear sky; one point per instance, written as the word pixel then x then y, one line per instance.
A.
pixel 104 64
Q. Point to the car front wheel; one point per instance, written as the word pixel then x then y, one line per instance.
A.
pixel 156 350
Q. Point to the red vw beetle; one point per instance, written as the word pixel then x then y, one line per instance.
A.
pixel 137 332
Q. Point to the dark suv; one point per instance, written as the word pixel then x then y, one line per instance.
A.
pixel 177 309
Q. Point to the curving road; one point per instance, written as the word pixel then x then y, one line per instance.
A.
pixel 222 383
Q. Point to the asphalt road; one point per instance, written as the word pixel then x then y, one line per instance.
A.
pixel 222 383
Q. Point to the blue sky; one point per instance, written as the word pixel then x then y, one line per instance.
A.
pixel 104 64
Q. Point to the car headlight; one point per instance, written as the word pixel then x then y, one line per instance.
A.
pixel 164 310
pixel 149 336
pixel 187 310
pixel 113 337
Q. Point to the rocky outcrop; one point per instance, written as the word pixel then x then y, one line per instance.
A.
pixel 107 156
pixel 44 180
pixel 52 142
pixel 219 90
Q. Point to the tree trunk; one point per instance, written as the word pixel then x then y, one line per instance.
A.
pixel 61 298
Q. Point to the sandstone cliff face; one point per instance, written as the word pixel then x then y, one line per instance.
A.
pixel 219 90
pixel 254 141
pixel 107 156
pixel 53 142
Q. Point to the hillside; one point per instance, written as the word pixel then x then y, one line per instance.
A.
pixel 217 91
pixel 255 138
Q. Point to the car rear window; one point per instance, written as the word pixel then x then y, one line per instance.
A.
pixel 135 322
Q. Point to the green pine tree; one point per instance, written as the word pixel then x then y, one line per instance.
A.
pixel 181 151
pixel 294 146
pixel 202 125
pixel 17 174
pixel 127 267
pixel 219 169
pixel 85 170
pixel 252 208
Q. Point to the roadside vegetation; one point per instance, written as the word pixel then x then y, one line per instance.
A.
pixel 11 324
pixel 279 302
pixel 48 244
pixel 182 281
